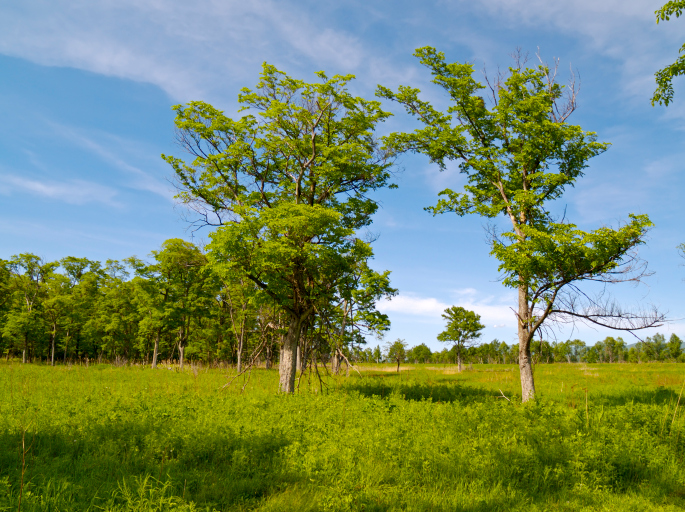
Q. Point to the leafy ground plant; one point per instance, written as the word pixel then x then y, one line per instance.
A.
pixel 600 437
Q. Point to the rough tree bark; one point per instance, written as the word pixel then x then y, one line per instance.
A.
pixel 287 366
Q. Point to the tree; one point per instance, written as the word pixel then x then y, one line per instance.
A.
pixel 420 353
pixel 664 77
pixel 377 354
pixel 23 322
pixel 675 347
pixel 463 328
pixel 288 185
pixel 519 154
pixel 397 352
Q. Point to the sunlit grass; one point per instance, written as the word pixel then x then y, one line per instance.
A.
pixel 428 438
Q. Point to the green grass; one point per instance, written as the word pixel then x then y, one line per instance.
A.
pixel 133 439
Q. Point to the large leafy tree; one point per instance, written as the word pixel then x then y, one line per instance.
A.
pixel 519 154
pixel 664 77
pixel 288 185
pixel 463 328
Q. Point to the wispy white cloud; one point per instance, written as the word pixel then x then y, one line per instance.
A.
pixel 492 312
pixel 110 152
pixel 77 192
pixel 624 30
pixel 189 50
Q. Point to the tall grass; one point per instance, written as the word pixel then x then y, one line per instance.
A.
pixel 133 439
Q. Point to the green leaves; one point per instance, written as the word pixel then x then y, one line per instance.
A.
pixel 463 326
pixel 550 256
pixel 663 95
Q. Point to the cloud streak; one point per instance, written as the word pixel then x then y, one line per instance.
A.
pixel 76 192
pixel 414 305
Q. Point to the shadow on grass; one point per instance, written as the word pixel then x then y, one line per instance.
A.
pixel 451 391
pixel 655 396
pixel 215 469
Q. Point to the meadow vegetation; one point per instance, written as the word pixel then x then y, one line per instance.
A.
pixel 598 437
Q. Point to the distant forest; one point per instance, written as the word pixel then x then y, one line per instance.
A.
pixel 175 308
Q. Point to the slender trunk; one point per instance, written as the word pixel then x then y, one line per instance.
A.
pixel 239 357
pixel 299 358
pixel 181 351
pixel 334 362
pixel 66 344
pixel 268 358
pixel 52 344
pixel 156 351
pixel 459 368
pixel 525 360
pixel 287 365
pixel 26 348
pixel 23 356
pixel 398 365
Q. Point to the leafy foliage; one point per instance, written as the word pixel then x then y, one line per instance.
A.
pixel 130 439
pixel 663 94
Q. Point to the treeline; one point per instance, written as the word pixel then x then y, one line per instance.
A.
pixel 609 350
pixel 177 306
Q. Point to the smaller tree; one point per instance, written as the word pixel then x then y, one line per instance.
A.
pixel 463 329
pixel 675 347
pixel 397 352
pixel 377 354
pixel 420 353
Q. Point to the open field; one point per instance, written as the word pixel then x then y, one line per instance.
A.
pixel 133 439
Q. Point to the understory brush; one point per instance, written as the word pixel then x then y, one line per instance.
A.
pixel 132 439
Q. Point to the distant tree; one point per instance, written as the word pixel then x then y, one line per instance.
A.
pixel 397 352
pixel 561 351
pixel 519 154
pixel 420 353
pixel 463 328
pixel 578 350
pixel 664 77
pixel 633 355
pixel 658 346
pixel 675 347
pixel 377 354
pixel 24 323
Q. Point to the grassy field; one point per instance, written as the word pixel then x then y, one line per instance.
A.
pixel 600 437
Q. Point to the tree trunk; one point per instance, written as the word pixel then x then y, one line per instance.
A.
pixel 335 362
pixel 287 365
pixel 155 352
pixel 268 357
pixel 181 351
pixel 52 346
pixel 398 366
pixel 299 358
pixel 525 361
pixel 239 358
pixel 459 368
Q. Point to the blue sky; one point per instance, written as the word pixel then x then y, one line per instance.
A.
pixel 86 88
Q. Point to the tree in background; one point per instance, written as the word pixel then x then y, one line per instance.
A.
pixel 519 155
pixel 420 353
pixel 24 323
pixel 288 185
pixel 397 352
pixel 377 355
pixel 463 328
pixel 675 347
pixel 664 77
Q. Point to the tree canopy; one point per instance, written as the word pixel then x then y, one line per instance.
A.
pixel 287 184
pixel 519 154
